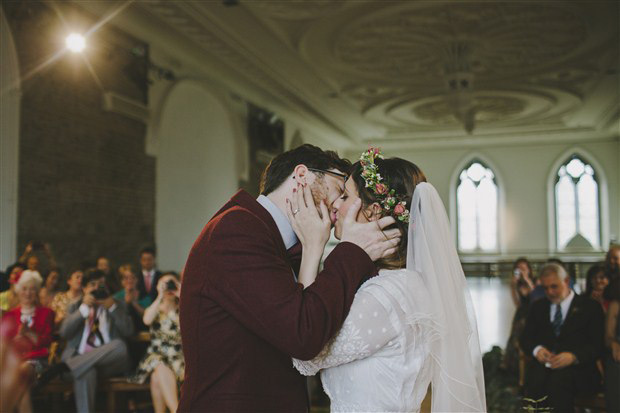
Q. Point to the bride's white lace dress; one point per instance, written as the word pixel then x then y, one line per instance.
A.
pixel 380 359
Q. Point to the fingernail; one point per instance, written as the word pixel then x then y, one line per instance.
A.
pixel 294 189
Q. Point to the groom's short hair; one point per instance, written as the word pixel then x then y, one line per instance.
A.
pixel 312 156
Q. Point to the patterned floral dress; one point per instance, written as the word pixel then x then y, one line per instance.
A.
pixel 165 348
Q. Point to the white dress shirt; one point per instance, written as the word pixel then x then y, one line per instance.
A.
pixel 284 226
pixel 104 325
pixel 564 306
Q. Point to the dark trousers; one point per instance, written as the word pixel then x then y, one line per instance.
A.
pixel 558 385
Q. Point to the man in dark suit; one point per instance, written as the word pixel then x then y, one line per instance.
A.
pixel 149 274
pixel 243 315
pixel 564 335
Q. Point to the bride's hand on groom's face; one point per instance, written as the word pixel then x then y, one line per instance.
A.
pixel 370 236
pixel 311 226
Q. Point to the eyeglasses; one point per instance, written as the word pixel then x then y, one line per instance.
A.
pixel 338 174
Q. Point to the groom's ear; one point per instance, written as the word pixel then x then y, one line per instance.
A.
pixel 300 174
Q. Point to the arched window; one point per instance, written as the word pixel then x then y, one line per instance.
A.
pixel 577 204
pixel 477 204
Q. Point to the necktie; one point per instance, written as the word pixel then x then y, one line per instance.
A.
pixel 94 333
pixel 557 320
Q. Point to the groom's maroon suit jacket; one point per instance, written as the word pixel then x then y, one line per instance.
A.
pixel 243 315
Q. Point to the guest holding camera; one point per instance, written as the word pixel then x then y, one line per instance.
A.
pixel 164 361
pixel 95 328
pixel 31 259
pixel 29 327
pixel 521 285
pixel 136 298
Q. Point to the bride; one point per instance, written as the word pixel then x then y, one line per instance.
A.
pixel 411 325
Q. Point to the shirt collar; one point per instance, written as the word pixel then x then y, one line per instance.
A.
pixel 284 226
pixel 565 303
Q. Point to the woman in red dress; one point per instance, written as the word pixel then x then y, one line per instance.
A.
pixel 29 326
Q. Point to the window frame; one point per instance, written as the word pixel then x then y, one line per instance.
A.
pixel 457 181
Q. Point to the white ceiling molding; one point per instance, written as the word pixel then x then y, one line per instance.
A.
pixel 405 74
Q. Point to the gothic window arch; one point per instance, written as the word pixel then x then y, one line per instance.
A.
pixel 577 204
pixel 477 204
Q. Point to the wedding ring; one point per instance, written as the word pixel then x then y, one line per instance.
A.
pixel 295 212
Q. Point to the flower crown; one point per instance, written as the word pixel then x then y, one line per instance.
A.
pixel 387 197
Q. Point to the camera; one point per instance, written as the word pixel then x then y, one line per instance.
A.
pixel 171 285
pixel 101 293
pixel 516 273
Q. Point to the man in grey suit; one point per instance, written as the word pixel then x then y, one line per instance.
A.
pixel 95 329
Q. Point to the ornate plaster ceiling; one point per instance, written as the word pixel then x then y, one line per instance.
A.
pixel 413 70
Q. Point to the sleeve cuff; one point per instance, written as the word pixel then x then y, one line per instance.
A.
pixel 536 350
pixel 84 310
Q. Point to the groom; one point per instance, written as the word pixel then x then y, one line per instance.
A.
pixel 243 315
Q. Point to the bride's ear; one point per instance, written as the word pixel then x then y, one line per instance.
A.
pixel 373 212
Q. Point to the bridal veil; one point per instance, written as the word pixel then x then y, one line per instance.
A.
pixel 457 375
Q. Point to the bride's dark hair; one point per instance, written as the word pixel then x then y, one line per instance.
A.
pixel 402 176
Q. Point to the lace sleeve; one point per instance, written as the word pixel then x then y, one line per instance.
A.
pixel 366 329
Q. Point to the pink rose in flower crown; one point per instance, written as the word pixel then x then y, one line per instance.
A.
pixel 380 189
pixel 399 209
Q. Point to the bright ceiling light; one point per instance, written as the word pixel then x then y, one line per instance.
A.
pixel 75 42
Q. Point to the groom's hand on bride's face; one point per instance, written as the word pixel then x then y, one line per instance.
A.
pixel 370 236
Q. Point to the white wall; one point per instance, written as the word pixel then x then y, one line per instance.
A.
pixel 196 168
pixel 524 171
pixel 9 144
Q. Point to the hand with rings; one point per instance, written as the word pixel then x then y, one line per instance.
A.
pixel 312 228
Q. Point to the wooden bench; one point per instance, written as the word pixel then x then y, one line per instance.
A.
pixel 111 386
pixel 116 385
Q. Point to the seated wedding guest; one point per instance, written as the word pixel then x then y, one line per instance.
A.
pixel 95 329
pixel 112 280
pixel 51 287
pixel 149 274
pixel 596 281
pixel 612 359
pixel 164 363
pixel 62 300
pixel 29 326
pixel 136 298
pixel 564 334
pixel 521 285
pixel 32 261
pixel 8 298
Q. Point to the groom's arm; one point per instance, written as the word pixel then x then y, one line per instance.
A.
pixel 252 280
